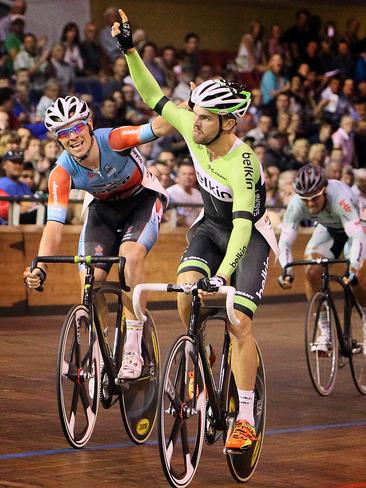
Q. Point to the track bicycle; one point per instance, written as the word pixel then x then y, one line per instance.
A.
pixel 346 333
pixel 87 365
pixel 193 406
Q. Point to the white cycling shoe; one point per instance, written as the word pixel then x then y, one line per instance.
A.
pixel 321 344
pixel 132 364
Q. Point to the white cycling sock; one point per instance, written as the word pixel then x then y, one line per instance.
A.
pixel 246 405
pixel 134 335
pixel 323 323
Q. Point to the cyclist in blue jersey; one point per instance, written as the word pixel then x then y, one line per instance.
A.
pixel 125 202
pixel 335 211
pixel 232 238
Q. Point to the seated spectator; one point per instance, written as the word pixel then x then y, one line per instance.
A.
pixel 162 172
pixel 167 62
pixel 359 189
pixel 286 186
pixel 279 105
pixel 185 191
pixel 343 139
pixel 27 176
pixel 62 70
pixel 51 92
pixel 169 158
pixel 33 151
pixel 43 169
pixel 260 150
pixel 134 113
pixel 295 129
pixel 273 81
pixel 275 153
pixel 12 163
pixel 70 38
pixel 148 55
pixel 245 62
pixel 35 60
pixel 25 136
pixel 4 122
pixel 333 170
pixel 10 141
pixel 360 143
pixel 347 176
pixel 13 41
pixel 317 155
pixel 323 136
pixel 300 153
pixel 117 80
pixel 51 150
pixel 274 44
pixel 91 50
pixel 109 115
pixel 260 133
pixel 7 105
pixel 190 54
pixel 329 107
pixel 344 60
pixel 182 91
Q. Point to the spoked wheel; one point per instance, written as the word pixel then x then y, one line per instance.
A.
pixel 322 364
pixel 243 463
pixel 78 377
pixel 358 356
pixel 182 411
pixel 139 401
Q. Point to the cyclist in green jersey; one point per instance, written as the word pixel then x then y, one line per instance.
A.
pixel 232 238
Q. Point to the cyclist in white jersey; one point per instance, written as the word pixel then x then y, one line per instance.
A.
pixel 125 202
pixel 334 209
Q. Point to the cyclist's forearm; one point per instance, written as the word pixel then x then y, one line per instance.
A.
pixel 51 240
pixel 236 248
pixel 285 252
pixel 144 81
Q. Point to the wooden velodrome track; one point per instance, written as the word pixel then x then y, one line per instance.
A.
pixel 310 442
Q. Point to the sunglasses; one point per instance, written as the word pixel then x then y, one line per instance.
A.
pixel 76 129
pixel 313 197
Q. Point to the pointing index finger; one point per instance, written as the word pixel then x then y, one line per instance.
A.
pixel 123 15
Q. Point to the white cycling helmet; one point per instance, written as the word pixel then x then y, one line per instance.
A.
pixel 222 97
pixel 65 110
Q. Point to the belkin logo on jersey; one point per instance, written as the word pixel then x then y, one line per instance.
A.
pixel 238 257
pixel 213 187
pixel 248 170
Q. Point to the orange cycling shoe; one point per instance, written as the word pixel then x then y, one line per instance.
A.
pixel 242 437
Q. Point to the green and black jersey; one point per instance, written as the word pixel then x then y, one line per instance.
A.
pixel 232 186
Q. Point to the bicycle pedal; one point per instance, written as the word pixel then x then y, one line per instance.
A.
pixel 122 383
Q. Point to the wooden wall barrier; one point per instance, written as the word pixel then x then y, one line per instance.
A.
pixel 18 245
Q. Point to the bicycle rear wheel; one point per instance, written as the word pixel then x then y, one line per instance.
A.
pixel 243 464
pixel 139 402
pixel 78 377
pixel 358 355
pixel 322 365
pixel 182 412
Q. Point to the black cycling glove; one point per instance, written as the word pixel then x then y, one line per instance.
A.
pixel 211 284
pixel 124 38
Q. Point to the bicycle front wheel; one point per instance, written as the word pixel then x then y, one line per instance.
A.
pixel 322 360
pixel 358 354
pixel 243 464
pixel 182 412
pixel 78 377
pixel 139 402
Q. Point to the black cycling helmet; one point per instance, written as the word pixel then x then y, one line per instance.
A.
pixel 309 179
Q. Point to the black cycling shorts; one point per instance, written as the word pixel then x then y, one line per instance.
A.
pixel 110 223
pixel 206 251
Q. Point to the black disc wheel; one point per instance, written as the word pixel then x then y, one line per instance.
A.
pixel 182 412
pixel 139 400
pixel 322 360
pixel 78 377
pixel 242 464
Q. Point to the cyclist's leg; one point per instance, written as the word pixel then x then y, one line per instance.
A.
pixel 201 259
pixel 139 234
pixel 249 280
pixel 322 244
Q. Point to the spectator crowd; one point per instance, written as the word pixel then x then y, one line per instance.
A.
pixel 308 85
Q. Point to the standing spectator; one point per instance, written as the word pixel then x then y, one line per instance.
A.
pixel 297 36
pixel 70 38
pixel 273 81
pixel 343 139
pixel 190 55
pixel 14 40
pixel 184 191
pixel 18 7
pixel 351 36
pixel 107 42
pixel 91 51
pixel 245 61
pixel 62 71
pixel 274 44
